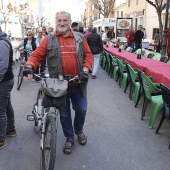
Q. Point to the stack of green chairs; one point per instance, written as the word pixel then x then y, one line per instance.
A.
pixel 123 74
pixel 153 95
pixel 135 87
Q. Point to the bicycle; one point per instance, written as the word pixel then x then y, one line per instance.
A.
pixel 46 122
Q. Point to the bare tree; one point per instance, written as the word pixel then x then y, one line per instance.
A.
pixel 104 6
pixel 6 14
pixel 21 13
pixel 159 5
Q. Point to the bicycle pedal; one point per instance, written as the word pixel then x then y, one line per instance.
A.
pixel 30 117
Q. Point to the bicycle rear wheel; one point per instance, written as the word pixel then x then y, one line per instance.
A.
pixel 48 153
pixel 20 77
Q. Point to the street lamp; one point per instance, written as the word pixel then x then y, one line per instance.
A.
pixel 164 42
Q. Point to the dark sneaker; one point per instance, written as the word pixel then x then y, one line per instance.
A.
pixel 94 77
pixel 3 144
pixel 11 133
pixel 82 139
pixel 68 147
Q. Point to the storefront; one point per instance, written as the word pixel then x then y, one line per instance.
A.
pixel 102 23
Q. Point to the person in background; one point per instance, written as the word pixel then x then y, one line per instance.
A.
pixel 156 37
pixel 130 37
pixel 30 44
pixel 104 37
pixel 81 30
pixel 44 29
pixel 7 123
pixel 40 35
pixel 109 33
pixel 101 33
pixel 88 31
pixel 74 58
pixel 113 34
pixel 96 46
pixel 50 29
pixel 74 26
pixel 138 37
pixel 9 35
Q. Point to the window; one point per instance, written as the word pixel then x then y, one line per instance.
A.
pixel 95 6
pixel 95 18
pixel 117 14
pixel 141 21
pixel 121 13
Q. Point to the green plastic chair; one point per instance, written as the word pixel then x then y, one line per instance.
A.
pixel 135 88
pixel 137 51
pixel 157 56
pixel 113 71
pixel 153 95
pixel 147 52
pixel 129 49
pixel 123 74
pixel 107 63
pixel 122 47
pixel 103 59
pixel 168 62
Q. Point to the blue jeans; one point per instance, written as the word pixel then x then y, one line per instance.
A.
pixel 130 45
pixel 6 109
pixel 79 105
pixel 96 58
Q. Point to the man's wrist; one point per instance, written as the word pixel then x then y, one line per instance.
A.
pixel 85 69
pixel 30 66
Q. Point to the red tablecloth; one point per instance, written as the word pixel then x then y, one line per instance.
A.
pixel 159 74
pixel 158 70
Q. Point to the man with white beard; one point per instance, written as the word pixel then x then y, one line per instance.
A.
pixel 67 54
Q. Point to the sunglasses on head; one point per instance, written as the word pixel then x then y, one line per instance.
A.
pixel 29 35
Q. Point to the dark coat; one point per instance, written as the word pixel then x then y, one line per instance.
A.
pixel 138 36
pixel 95 43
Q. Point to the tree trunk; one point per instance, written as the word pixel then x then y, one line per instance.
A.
pixel 160 26
pixel 5 25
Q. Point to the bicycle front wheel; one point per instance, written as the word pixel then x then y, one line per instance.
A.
pixel 20 77
pixel 48 153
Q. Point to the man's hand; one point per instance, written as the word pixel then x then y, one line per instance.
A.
pixel 30 72
pixel 84 76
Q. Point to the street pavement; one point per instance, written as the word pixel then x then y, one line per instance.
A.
pixel 117 138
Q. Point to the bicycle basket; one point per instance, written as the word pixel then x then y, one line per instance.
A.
pixel 54 92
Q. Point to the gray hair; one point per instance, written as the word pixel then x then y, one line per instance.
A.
pixel 51 28
pixel 63 12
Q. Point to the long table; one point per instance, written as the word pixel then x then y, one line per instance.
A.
pixel 158 70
